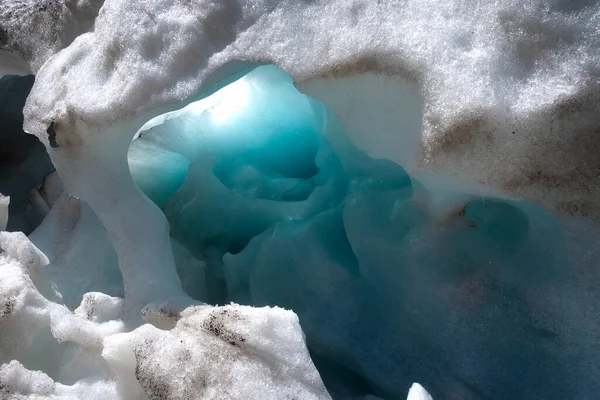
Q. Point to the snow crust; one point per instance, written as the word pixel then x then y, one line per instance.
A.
pixel 229 352
pixel 506 84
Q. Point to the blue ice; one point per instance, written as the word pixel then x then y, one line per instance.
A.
pixel 261 183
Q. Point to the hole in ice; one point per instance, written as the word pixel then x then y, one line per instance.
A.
pixel 258 134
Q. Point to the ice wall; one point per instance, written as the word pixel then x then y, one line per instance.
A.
pixel 393 281
pixel 515 63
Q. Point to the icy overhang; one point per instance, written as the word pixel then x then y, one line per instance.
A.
pixel 509 90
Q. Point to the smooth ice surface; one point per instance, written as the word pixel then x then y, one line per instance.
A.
pixel 81 257
pixel 12 64
pixel 252 145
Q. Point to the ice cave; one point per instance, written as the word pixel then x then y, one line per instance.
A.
pixel 299 199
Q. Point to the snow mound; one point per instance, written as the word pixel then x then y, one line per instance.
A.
pixel 49 352
pixel 230 352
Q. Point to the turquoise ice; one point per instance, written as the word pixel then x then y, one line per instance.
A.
pixel 261 183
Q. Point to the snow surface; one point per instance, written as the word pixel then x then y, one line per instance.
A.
pixel 505 83
pixel 229 352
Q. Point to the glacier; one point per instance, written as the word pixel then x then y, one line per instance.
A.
pixel 299 199
pixel 358 250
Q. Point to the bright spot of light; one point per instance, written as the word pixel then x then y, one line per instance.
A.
pixel 225 103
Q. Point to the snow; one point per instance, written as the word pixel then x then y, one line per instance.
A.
pixel 35 30
pixel 49 352
pixel 418 392
pixel 484 72
pixel 229 352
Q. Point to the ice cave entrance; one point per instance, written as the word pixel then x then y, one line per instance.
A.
pixel 259 133
pixel 264 187
pixel 256 152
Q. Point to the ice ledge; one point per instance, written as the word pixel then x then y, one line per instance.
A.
pixel 508 103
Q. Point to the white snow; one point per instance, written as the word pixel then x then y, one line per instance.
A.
pixel 230 352
pixel 418 392
pixel 48 352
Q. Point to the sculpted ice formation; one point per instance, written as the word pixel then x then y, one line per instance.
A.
pixel 365 254
pixel 91 94
pixel 438 271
